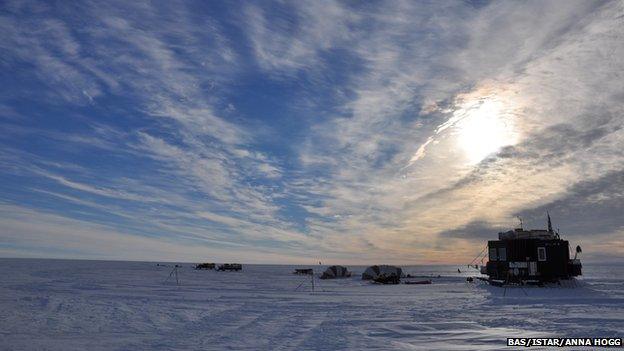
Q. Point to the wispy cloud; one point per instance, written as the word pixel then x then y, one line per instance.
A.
pixel 352 131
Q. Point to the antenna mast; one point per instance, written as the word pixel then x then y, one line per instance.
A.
pixel 550 230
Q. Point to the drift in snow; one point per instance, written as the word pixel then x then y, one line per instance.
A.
pixel 534 256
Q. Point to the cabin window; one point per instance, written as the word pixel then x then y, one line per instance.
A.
pixel 493 256
pixel 541 254
pixel 502 254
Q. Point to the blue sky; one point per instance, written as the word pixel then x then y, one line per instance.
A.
pixel 292 132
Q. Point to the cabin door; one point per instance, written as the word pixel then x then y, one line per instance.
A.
pixel 532 268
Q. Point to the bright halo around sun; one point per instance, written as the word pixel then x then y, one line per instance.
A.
pixel 484 127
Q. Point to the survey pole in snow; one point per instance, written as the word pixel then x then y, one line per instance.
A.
pixel 303 282
pixel 174 272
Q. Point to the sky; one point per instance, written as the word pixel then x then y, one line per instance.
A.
pixel 345 132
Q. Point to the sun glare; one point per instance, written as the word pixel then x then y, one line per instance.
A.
pixel 484 128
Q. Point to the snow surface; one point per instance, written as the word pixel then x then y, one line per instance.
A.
pixel 100 305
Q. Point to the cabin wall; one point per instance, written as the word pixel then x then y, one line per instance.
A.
pixel 524 259
pixel 557 257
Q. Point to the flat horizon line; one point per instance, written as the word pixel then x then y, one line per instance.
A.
pixel 596 263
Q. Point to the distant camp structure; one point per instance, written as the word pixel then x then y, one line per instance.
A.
pixel 205 266
pixel 334 272
pixel 304 271
pixel 230 267
pixel 534 256
pixel 383 273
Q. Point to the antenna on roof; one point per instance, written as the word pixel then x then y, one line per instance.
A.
pixel 550 230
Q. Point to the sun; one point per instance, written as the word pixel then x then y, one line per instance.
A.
pixel 484 127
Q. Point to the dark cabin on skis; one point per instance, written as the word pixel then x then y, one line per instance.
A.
pixel 530 257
